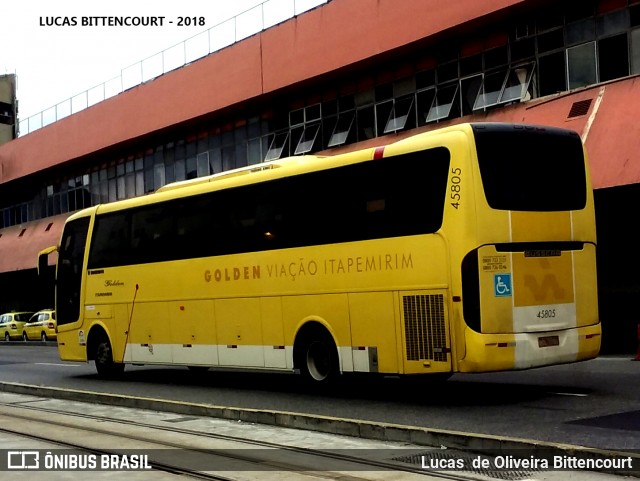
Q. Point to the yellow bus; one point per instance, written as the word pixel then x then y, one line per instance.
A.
pixel 466 249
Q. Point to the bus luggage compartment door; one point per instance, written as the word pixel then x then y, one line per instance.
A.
pixel 425 331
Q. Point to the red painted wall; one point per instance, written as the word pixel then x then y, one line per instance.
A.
pixel 325 39
pixel 347 31
pixel 20 244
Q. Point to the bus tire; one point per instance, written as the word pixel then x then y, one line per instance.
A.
pixel 317 357
pixel 43 337
pixel 24 337
pixel 7 337
pixel 105 364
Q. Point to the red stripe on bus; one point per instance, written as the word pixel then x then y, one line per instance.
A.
pixel 378 153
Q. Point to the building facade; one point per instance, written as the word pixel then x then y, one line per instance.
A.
pixel 8 123
pixel 350 74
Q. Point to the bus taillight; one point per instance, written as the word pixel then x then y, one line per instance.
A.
pixel 471 291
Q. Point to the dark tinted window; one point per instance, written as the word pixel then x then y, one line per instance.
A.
pixel 531 169
pixel 552 73
pixel 111 240
pixel 69 280
pixel 395 196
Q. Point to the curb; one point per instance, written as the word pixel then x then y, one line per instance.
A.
pixel 28 343
pixel 473 442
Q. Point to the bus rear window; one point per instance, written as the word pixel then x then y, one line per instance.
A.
pixel 532 168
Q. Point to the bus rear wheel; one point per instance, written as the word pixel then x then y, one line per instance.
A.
pixel 7 337
pixel 43 337
pixel 317 357
pixel 105 364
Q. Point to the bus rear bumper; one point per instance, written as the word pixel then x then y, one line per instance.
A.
pixel 502 352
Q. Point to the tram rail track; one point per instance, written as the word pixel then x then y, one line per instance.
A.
pixel 248 454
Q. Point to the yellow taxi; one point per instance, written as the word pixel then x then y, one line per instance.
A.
pixel 11 324
pixel 41 326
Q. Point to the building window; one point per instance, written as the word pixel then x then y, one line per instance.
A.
pixel 304 125
pixel 342 129
pixel 191 168
pixel 580 32
pixel 400 112
pixel 613 23
pixel 613 57
pixel 491 89
pixel 635 51
pixel 277 145
pixel 215 160
pixel 202 164
pixel 424 101
pixel 581 65
pixel 552 74
pixel 505 86
pixel 366 120
pixel 469 89
pixel 383 111
pixel 443 103
pixel 307 139
pixel 254 151
pixel 159 178
pixel 550 41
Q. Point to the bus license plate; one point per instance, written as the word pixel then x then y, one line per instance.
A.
pixel 548 341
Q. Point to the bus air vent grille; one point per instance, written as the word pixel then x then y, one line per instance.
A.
pixel 424 327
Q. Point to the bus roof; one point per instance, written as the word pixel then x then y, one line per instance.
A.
pixel 282 168
pixel 249 169
pixel 261 172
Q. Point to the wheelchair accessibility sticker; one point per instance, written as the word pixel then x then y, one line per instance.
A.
pixel 502 285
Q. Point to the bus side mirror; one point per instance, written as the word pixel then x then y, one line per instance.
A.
pixel 43 263
pixel 43 260
pixel 46 278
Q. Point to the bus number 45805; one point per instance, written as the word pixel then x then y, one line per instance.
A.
pixel 546 314
pixel 455 186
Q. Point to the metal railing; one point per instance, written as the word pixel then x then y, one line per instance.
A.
pixel 245 24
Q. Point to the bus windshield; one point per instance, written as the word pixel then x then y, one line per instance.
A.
pixel 531 169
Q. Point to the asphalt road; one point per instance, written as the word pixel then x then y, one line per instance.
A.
pixel 594 403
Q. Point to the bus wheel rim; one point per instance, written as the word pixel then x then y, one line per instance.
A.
pixel 103 355
pixel 318 361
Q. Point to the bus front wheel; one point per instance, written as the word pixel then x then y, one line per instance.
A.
pixel 317 357
pixel 105 364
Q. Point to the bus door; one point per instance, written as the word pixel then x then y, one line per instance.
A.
pixel 425 331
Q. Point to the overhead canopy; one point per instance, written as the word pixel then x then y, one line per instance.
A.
pixel 20 244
